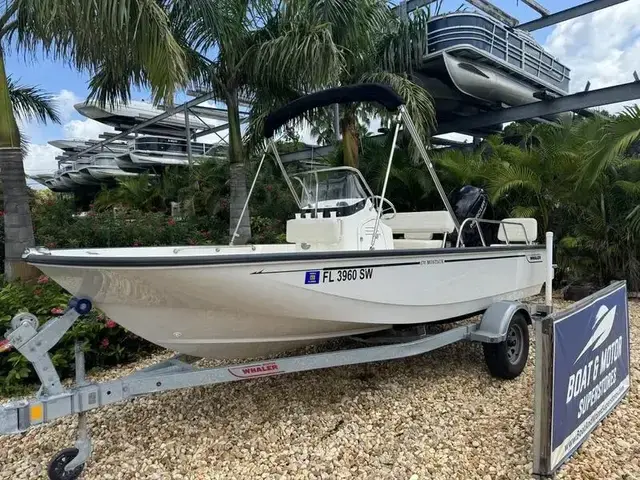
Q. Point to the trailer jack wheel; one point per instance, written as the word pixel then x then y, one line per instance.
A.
pixel 508 358
pixel 56 469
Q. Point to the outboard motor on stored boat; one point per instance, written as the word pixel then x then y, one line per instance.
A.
pixel 473 202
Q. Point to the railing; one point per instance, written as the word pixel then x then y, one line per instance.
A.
pixel 478 221
pixel 453 32
pixel 169 145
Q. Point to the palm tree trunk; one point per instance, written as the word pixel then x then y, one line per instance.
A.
pixel 237 174
pixel 349 127
pixel 18 227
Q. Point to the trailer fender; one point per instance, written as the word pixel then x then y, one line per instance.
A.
pixel 495 321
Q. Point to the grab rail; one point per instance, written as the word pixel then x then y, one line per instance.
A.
pixel 498 222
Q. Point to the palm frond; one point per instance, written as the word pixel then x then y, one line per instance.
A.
pixel 32 103
pixel 617 136
pixel 513 177
pixel 133 35
pixel 629 187
pixel 418 101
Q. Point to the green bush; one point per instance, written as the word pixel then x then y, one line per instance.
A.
pixel 57 226
pixel 106 343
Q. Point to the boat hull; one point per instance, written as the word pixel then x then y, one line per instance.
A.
pixel 105 174
pixel 217 309
pixel 82 178
pixel 142 158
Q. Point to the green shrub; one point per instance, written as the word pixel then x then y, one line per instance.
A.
pixel 57 226
pixel 106 343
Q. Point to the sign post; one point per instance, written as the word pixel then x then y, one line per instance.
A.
pixel 581 373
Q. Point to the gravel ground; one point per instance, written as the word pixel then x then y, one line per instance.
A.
pixel 429 417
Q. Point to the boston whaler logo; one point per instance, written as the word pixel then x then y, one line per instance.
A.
pixel 594 378
pixel 258 370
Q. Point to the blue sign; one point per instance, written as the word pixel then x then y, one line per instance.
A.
pixel 312 276
pixel 590 369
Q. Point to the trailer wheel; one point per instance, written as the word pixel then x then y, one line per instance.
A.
pixel 59 461
pixel 508 358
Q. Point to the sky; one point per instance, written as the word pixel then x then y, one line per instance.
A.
pixel 602 47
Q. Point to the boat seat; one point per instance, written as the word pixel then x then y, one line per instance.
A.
pixel 516 233
pixel 314 230
pixel 406 244
pixel 420 225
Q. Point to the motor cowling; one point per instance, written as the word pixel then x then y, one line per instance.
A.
pixel 473 202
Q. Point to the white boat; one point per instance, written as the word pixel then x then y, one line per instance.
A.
pixel 79 173
pixel 341 272
pixel 474 62
pixel 153 151
pixel 124 116
pixel 104 168
pixel 62 176
pixel 41 178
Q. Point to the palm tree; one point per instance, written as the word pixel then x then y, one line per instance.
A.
pixel 27 103
pixel 130 37
pixel 373 45
pixel 602 242
pixel 236 46
pixel 616 137
pixel 536 179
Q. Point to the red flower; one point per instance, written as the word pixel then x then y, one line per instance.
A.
pixel 57 311
pixel 110 324
pixel 171 222
pixel 37 292
pixel 43 279
pixel 136 244
pixel 51 245
pixel 224 204
pixel 104 343
pixel 1 213
pixel 269 188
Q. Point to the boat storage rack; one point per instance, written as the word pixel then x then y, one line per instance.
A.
pixel 53 400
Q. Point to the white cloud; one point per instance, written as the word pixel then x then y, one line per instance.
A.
pixel 65 100
pixel 602 47
pixel 85 129
pixel 41 159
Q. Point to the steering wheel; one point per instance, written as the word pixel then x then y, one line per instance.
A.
pixel 391 207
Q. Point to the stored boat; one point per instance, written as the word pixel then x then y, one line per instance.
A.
pixel 474 62
pixel 341 273
pixel 125 116
pixel 104 168
pixel 157 151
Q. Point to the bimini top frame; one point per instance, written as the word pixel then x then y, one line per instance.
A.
pixel 367 92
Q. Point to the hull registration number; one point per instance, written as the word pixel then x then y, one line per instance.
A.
pixel 344 275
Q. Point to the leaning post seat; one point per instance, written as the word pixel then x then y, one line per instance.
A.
pixel 305 229
pixel 418 228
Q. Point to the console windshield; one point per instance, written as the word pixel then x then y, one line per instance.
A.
pixel 331 189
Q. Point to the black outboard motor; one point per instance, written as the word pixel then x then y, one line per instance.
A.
pixel 473 202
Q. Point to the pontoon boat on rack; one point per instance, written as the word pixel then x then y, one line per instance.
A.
pixel 158 151
pixel 104 168
pixel 341 273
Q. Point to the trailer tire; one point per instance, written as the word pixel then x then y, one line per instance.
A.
pixel 55 471
pixel 508 358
